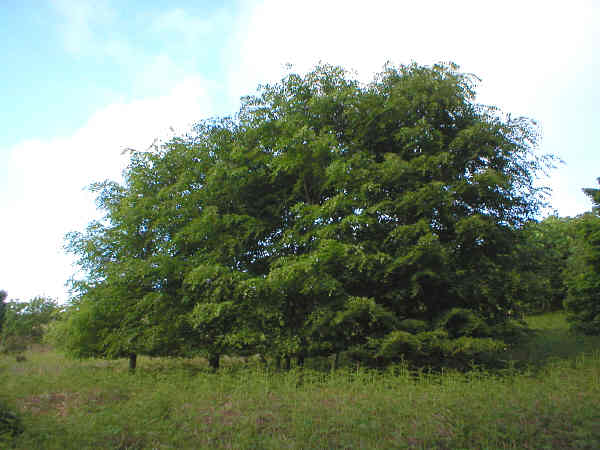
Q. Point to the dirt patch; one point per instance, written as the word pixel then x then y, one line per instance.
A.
pixel 59 403
pixel 64 403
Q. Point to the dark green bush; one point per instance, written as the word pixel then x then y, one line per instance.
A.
pixel 434 349
pixel 413 325
pixel 10 423
pixel 462 322
pixel 512 332
pixel 398 343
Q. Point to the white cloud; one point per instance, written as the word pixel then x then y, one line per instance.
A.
pixel 47 178
pixel 512 45
pixel 530 56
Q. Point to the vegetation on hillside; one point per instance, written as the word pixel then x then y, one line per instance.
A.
pixel 549 398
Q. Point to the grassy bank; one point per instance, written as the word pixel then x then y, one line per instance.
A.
pixel 551 399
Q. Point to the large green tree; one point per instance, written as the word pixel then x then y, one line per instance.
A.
pixel 401 201
pixel 327 216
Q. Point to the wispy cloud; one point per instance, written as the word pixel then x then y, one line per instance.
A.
pixel 184 24
pixel 80 22
pixel 47 178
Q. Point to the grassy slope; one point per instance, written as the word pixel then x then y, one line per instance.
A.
pixel 178 404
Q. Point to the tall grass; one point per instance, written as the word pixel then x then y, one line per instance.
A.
pixel 551 402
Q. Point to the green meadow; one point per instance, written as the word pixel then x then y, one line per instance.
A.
pixel 547 396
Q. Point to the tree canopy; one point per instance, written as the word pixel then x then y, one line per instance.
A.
pixel 328 216
pixel 583 272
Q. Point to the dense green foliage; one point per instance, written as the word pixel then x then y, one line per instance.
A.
pixel 543 253
pixel 25 322
pixel 583 274
pixel 378 220
pixel 550 398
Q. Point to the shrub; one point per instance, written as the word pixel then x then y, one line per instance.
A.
pixel 14 344
pixel 10 423
pixel 413 325
pixel 462 322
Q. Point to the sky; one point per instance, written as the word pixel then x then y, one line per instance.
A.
pixel 82 80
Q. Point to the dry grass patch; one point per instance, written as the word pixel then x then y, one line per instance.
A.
pixel 57 403
pixel 68 403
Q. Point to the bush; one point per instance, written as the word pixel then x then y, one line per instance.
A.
pixel 511 332
pixel 10 423
pixel 413 325
pixel 462 322
pixel 14 344
pixel 433 349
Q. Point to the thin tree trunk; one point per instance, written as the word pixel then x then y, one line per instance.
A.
pixel 308 202
pixel 300 361
pixel 278 362
pixel 287 362
pixel 336 362
pixel 132 362
pixel 213 361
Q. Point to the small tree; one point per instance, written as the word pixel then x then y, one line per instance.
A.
pixel 26 322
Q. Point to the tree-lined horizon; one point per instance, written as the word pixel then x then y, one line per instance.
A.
pixel 382 221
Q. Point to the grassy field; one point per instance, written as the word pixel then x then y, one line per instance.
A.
pixel 549 397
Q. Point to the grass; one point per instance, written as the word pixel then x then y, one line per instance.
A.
pixel 549 399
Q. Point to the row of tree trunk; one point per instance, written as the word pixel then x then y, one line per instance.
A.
pixel 214 360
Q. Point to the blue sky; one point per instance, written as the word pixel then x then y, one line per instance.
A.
pixel 82 80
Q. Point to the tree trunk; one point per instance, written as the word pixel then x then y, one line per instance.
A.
pixel 287 362
pixel 278 362
pixel 132 362
pixel 336 362
pixel 213 361
pixel 300 361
